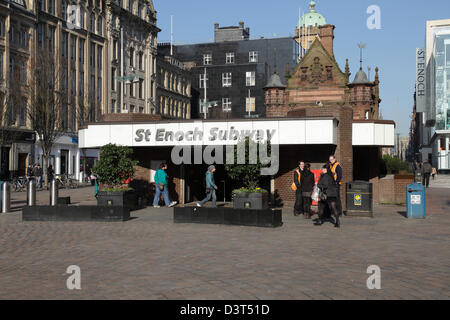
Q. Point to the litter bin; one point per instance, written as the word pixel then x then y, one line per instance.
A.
pixel 415 201
pixel 359 199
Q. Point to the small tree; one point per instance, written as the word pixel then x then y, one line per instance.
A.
pixel 47 97
pixel 247 175
pixel 115 166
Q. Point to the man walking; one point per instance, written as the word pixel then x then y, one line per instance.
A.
pixel 336 169
pixel 162 187
pixel 426 173
pixel 38 173
pixel 210 188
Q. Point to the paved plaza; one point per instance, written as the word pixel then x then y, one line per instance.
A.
pixel 150 257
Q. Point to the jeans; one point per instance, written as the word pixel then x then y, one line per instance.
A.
pixel 165 194
pixel 39 182
pixel 211 194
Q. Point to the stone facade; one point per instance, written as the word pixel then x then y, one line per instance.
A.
pixel 173 93
pixel 131 34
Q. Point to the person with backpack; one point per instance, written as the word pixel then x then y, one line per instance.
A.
pixel 210 188
pixel 328 196
pixel 297 187
pixel 162 184
pixel 307 185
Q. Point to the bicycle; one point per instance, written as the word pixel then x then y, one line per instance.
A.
pixel 20 184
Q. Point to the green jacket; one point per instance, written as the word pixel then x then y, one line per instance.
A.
pixel 161 177
pixel 210 180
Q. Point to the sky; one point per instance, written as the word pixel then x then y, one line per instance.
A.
pixel 391 48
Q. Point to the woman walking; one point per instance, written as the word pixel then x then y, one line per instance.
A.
pixel 308 183
pixel 162 187
pixel 328 196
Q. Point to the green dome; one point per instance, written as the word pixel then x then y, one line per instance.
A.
pixel 312 18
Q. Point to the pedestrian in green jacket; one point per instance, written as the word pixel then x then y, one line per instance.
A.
pixel 161 185
pixel 210 188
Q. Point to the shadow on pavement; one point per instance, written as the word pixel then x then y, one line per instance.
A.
pixel 402 213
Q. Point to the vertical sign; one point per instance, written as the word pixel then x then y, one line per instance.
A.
pixel 420 80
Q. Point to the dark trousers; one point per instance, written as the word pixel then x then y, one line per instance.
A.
pixel 298 207
pixel 426 179
pixel 307 202
pixel 338 200
pixel 330 205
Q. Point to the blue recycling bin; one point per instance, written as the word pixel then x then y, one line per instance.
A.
pixel 415 201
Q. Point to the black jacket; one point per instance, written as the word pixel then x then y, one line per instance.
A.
pixel 298 184
pixel 426 168
pixel 328 185
pixel 308 181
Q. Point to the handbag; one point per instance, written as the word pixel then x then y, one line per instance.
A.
pixel 315 194
pixel 323 196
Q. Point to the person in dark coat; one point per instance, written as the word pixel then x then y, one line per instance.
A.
pixel 307 184
pixel 50 173
pixel 426 173
pixel 298 207
pixel 327 186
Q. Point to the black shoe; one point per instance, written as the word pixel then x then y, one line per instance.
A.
pixel 318 222
pixel 337 224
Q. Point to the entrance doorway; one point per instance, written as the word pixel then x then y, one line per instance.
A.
pixel 195 184
pixel 22 164
pixel 64 161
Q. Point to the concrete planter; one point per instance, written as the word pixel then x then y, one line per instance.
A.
pixel 75 213
pixel 256 201
pixel 265 218
pixel 127 199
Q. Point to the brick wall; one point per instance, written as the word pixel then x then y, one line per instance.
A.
pixel 392 189
pixel 129 117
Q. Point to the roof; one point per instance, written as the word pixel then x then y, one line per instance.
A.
pixel 361 77
pixel 312 18
pixel 274 82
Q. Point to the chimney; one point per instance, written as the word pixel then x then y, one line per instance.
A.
pixel 216 26
pixel 241 24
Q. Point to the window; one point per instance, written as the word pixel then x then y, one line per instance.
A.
pixel 82 14
pixel 42 5
pixel 226 79
pixel 131 57
pixel 230 58
pixel 1 65
pixel 73 48
pixel 92 56
pixel 250 104
pixel 141 109
pixel 2 28
pixel 115 49
pixel 226 104
pixel 51 41
pixel 23 115
pixel 99 89
pixel 92 23
pixel 207 59
pixel 141 88
pixel 51 8
pixel 253 56
pixel 131 89
pixel 113 106
pixel 64 44
pixel 131 108
pixel 113 79
pixel 141 58
pixel 250 79
pixel 99 58
pixel 99 26
pixel 203 80
pixel 81 51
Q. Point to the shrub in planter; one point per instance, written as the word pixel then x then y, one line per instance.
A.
pixel 112 170
pixel 250 196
